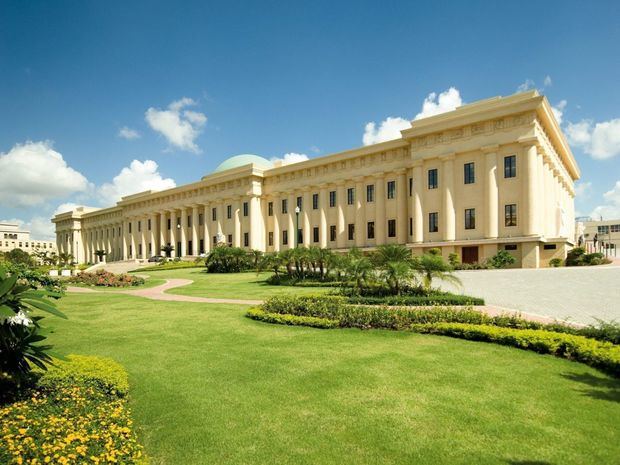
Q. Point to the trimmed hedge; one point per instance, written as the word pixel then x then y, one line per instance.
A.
pixel 599 354
pixel 292 320
pixel 417 300
pixel 170 265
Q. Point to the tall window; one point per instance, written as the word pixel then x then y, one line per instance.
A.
pixel 130 227
pixel 229 211
pixel 315 201
pixel 391 228
pixel 470 218
pixel 246 209
pixel 351 229
pixel 270 238
pixel 139 226
pixel 300 202
pixel 285 237
pixel 332 198
pixel 169 225
pixel 230 239
pixel 370 230
pixel 300 236
pixel 189 221
pixel 510 166
pixel 148 224
pixel 432 178
pixel 200 219
pixel 410 226
pixel 391 189
pixel 433 222
pixel 284 206
pixel 510 215
pixel 410 187
pixel 315 234
pixel 246 239
pixel 332 233
pixel 213 216
pixel 370 193
pixel 469 173
pixel 270 209
pixel 350 195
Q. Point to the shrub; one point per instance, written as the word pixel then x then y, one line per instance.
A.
pixel 454 260
pixel 223 259
pixel 69 419
pixel 172 265
pixel 574 256
pixel 293 320
pixel 555 262
pixel 316 306
pixel 602 355
pixel 106 279
pixel 501 259
pixel 417 300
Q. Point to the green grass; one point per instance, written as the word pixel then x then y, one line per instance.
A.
pixel 211 386
pixel 149 282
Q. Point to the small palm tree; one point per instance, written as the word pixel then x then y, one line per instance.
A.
pixel 257 256
pixel 432 266
pixel 100 254
pixel 358 268
pixel 391 253
pixel 167 249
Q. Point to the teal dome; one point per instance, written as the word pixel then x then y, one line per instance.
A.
pixel 242 160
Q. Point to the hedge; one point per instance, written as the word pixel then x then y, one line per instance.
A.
pixel 417 300
pixel 599 354
pixel 75 415
pixel 293 320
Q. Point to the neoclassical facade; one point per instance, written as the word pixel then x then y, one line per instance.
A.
pixel 492 175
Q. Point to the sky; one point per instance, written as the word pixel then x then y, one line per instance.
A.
pixel 104 99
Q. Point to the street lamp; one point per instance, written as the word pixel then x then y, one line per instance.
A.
pixel 297 210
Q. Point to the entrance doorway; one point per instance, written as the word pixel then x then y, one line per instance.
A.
pixel 469 254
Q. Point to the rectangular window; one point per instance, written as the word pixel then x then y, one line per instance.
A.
pixel 230 239
pixel 246 209
pixel 370 193
pixel 332 233
pixel 433 222
pixel 510 215
pixel 300 203
pixel 284 206
pixel 391 228
pixel 213 214
pixel 391 189
pixel 432 178
pixel 202 246
pixel 470 218
pixel 189 221
pixel 130 228
pixel 549 246
pixel 411 226
pixel 315 234
pixel 332 198
pixel 200 219
pixel 270 238
pixel 603 229
pixel 139 226
pixel 300 236
pixel 178 221
pixel 370 230
pixel 410 187
pixel 510 166
pixel 351 230
pixel 510 247
pixel 350 195
pixel 615 228
pixel 469 175
pixel 148 224
pixel 285 237
pixel 246 239
pixel 229 211
pixel 214 240
pixel 270 209
pixel 315 201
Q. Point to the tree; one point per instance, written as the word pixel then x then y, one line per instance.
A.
pixel 357 268
pixel 100 254
pixel 501 259
pixel 65 259
pixel 432 266
pixel 391 253
pixel 397 274
pixel 257 256
pixel 167 249
pixel 18 256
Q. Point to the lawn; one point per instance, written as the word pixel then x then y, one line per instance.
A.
pixel 211 386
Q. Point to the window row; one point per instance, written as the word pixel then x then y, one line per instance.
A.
pixel 469 172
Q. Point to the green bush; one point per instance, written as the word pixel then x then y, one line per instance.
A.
pixel 417 300
pixel 501 259
pixel 293 320
pixel 599 354
pixel 106 279
pixel 555 262
pixel 101 373
pixel 171 265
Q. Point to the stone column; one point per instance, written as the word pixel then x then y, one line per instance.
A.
pixel 529 181
pixel 163 231
pixel 402 217
pixel 207 229
pixel 183 238
pixel 292 233
pixel 380 221
pixel 134 252
pixel 195 243
pixel 236 206
pixel 541 201
pixel 174 231
pixel 305 212
pixel 276 221
pixel 491 196
pixel 153 235
pixel 145 235
pixel 341 201
pixel 323 216
pixel 360 213
pixel 416 200
pixel 257 225
pixel 124 240
pixel 449 215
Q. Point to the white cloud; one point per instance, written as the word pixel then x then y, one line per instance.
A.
pixel 548 82
pixel 611 210
pixel 600 140
pixel 65 207
pixel 582 189
pixel 446 101
pixel 558 110
pixel 137 177
pixel 526 85
pixel 128 133
pixel 290 158
pixel 33 172
pixel 388 129
pixel 180 128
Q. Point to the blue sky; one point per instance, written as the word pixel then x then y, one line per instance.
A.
pixel 189 84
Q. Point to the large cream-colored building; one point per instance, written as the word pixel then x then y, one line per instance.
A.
pixel 12 237
pixel 492 175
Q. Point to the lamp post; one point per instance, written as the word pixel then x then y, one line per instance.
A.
pixel 297 210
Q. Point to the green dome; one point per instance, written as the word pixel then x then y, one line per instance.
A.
pixel 242 160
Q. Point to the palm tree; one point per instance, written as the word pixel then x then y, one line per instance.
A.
pixel 65 258
pixel 358 269
pixel 432 266
pixel 391 253
pixel 100 254
pixel 167 249
pixel 397 274
pixel 257 256
pixel 323 260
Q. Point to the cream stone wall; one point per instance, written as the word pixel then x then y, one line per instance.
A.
pixel 483 133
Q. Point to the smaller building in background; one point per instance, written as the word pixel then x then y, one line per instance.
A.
pixel 12 237
pixel 598 236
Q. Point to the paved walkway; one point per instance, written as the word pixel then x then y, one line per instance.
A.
pixel 578 294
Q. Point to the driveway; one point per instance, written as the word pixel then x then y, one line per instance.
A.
pixel 579 294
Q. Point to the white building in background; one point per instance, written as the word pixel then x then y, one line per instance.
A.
pixel 12 237
pixel 598 236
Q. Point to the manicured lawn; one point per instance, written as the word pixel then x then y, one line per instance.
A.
pixel 149 282
pixel 230 285
pixel 211 386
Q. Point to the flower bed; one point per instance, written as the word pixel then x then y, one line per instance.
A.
pixel 106 279
pixel 72 416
